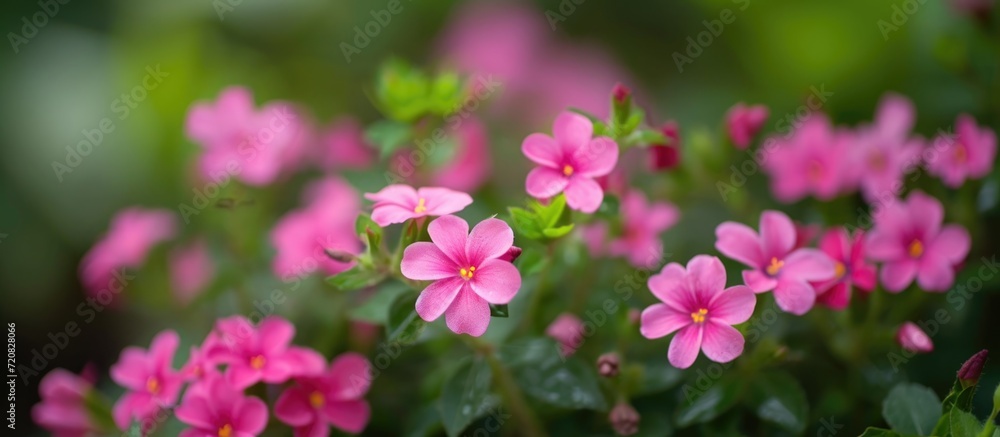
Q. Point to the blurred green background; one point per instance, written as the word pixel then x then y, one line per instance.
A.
pixel 66 77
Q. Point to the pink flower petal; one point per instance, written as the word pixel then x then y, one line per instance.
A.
pixel 884 246
pixel 274 334
pixel 490 239
pixel 241 376
pixel 350 376
pixel 758 281
pixel 794 296
pixel 398 194
pixel 544 182
pixel 838 297
pixel 669 287
pixel 423 261
pixel 443 201
pixel 685 346
pixel 293 407
pixel 835 243
pixel 438 297
pixel 130 370
pixel 897 275
pixel 450 233
pixel 385 215
pixel 303 361
pixel 349 416
pixel 496 281
pixel 864 277
pixel 950 245
pixel 660 320
pixel 706 276
pixel 583 194
pixel 808 265
pixel 250 416
pixel 542 150
pixel 935 274
pixel 721 343
pixel 926 212
pixel 895 114
pixel 733 306
pixel 572 131
pixel 468 314
pixel 597 158
pixel 777 234
pixel 739 242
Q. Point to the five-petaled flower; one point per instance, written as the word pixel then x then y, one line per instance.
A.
pixel 221 410
pixel 149 378
pixel 850 268
pixel 969 154
pixel 261 353
pixel 335 397
pixel 399 203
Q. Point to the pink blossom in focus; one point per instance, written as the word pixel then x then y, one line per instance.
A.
pixel 850 268
pixel 263 144
pixel 910 242
pixel 342 146
pixel 642 224
pixel 261 353
pixel 467 272
pixel 335 397
pixel 221 410
pixel 811 161
pixel 191 270
pixel 914 339
pixel 969 154
pixel 132 234
pixel 776 264
pixel 399 203
pixel 569 162
pixel 743 122
pixel 885 151
pixel 567 329
pixel 149 379
pixel 697 305
pixel 326 222
pixel 62 410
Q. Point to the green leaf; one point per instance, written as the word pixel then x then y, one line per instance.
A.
pixel 964 424
pixel 593 118
pixel 404 325
pixel 710 404
pixel 609 207
pixel 879 432
pixel 549 215
pixel 388 136
pixel 466 396
pixel 447 93
pixel 355 278
pixel 959 398
pixel 499 310
pixel 544 374
pixel 559 232
pixel 524 223
pixel 911 409
pixel 402 91
pixel 778 398
pixel 530 262
pixel 654 377
pixel 424 422
pixel 376 308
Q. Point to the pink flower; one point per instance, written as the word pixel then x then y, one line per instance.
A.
pixel 255 146
pixel 201 366
pixel 885 151
pixel 133 233
pixel 567 329
pixel 913 339
pixel 221 410
pixel 261 353
pixel 335 397
pixel 63 407
pixel 850 268
pixel 911 243
pixel 399 203
pixel 149 379
pixel 569 162
pixel 343 146
pixel 467 272
pixel 191 270
pixel 327 222
pixel 698 306
pixel 743 122
pixel 969 154
pixel 811 161
pixel 776 264
pixel 666 156
pixel 642 224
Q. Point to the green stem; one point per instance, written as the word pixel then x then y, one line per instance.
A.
pixel 991 425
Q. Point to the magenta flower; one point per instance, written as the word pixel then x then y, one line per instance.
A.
pixel 238 141
pixel 132 234
pixel 776 264
pixel 911 243
pixel 567 329
pixel 666 156
pixel 335 397
pixel 642 224
pixel 149 379
pixel 399 203
pixel 698 306
pixel 343 146
pixel 969 154
pixel 914 339
pixel 885 151
pixel 201 366
pixel 327 222
pixel 811 161
pixel 261 353
pixel 191 270
pixel 467 271
pixel 743 122
pixel 221 411
pixel 569 162
pixel 63 407
pixel 850 268
pixel 470 166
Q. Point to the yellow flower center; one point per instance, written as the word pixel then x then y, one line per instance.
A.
pixel 153 385
pixel 839 269
pixel 916 248
pixel 316 399
pixel 775 266
pixel 421 206
pixel 568 170
pixel 699 317
pixel 467 273
pixel 960 154
pixel 257 362
pixel 226 431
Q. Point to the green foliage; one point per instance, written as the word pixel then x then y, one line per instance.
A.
pixel 709 404
pixel 548 377
pixel 467 396
pixel 388 136
pixel 405 93
pixel 778 398
pixel 542 222
pixel 404 325
pixel 911 409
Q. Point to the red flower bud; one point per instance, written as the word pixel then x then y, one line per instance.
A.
pixel 973 368
pixel 620 93
pixel 607 364
pixel 666 156
pixel 511 254
pixel 624 419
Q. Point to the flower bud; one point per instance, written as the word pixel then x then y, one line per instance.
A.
pixel 607 365
pixel 339 256
pixel 511 254
pixel 620 93
pixel 666 156
pixel 969 374
pixel 634 316
pixel 624 419
pixel 913 339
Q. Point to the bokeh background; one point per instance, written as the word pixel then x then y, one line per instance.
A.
pixel 68 75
